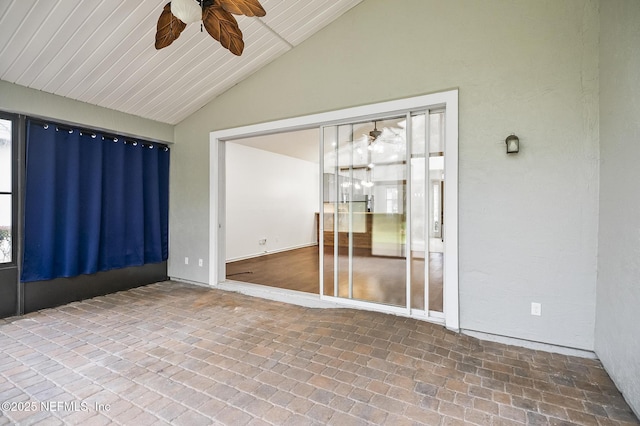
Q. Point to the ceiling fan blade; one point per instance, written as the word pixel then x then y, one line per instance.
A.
pixel 243 7
pixel 222 26
pixel 169 28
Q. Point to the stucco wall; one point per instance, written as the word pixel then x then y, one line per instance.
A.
pixel 617 338
pixel 528 223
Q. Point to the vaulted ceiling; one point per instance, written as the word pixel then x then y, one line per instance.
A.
pixel 102 51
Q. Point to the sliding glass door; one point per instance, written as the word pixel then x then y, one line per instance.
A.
pixel 364 208
pixel 387 219
pixel 382 239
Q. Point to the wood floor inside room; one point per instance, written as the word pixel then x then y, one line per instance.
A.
pixel 375 278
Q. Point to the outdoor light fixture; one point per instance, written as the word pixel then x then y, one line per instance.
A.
pixel 513 144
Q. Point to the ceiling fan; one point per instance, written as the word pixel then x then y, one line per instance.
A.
pixel 217 18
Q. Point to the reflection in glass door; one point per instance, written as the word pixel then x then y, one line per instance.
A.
pixel 382 221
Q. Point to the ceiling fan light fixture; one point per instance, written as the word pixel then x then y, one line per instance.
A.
pixel 187 11
pixel 375 133
pixel 216 16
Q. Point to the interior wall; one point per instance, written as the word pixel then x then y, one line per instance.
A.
pixel 617 315
pixel 527 223
pixel 22 100
pixel 269 196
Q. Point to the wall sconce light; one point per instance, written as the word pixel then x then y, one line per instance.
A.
pixel 513 144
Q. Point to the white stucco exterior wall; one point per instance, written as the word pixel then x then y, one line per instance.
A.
pixel 528 223
pixel 617 333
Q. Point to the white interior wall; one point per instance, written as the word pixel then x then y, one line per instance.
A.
pixel 269 196
pixel 617 332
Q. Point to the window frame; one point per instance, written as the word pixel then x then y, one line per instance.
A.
pixel 15 124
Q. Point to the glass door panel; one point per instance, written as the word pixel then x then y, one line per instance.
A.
pixel 343 237
pixel 364 204
pixel 427 193
pixel 386 280
pixel 436 210
pixel 419 207
pixel 374 180
pixel 329 203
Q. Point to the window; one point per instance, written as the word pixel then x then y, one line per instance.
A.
pixel 6 195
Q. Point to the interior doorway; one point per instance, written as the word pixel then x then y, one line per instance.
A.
pixel 272 189
pixel 382 200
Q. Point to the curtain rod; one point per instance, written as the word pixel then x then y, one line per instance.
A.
pixel 105 135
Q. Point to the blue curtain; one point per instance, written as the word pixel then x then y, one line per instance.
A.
pixel 92 202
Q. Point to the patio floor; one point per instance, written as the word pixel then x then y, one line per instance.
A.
pixel 182 354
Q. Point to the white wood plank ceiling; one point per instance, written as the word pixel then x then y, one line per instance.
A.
pixel 102 51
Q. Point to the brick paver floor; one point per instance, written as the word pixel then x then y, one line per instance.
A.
pixel 187 355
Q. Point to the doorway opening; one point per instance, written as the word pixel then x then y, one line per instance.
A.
pixel 272 187
pixel 386 215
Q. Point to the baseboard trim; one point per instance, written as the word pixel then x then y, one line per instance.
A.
pixel 529 344
pixel 185 281
pixel 268 252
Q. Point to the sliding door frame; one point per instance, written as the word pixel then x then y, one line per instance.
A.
pixel 447 100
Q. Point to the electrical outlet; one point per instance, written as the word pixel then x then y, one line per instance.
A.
pixel 186 260
pixel 536 309
pixel 199 262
